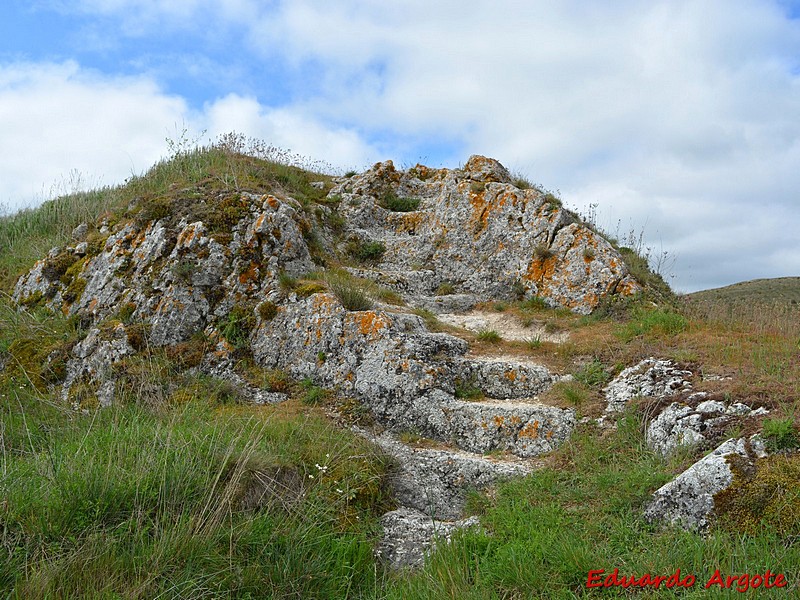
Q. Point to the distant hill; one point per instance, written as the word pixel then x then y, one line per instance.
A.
pixel 770 291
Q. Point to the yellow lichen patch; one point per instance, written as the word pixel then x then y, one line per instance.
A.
pixel 515 420
pixel 370 323
pixel 549 434
pixel 530 430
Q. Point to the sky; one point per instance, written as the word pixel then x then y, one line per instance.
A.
pixel 673 124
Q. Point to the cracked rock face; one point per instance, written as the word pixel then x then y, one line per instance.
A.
pixel 680 425
pixel 409 535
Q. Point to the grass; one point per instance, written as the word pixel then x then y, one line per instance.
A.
pixel 195 501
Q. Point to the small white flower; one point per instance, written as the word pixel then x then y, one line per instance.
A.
pixel 311 477
pixel 338 490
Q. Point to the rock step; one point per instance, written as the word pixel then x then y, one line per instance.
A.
pixel 503 376
pixel 434 481
pixel 409 535
pixel 525 429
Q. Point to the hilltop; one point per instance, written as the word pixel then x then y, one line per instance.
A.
pixel 253 377
pixel 779 290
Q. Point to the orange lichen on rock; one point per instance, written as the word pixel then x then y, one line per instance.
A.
pixel 273 203
pixel 511 375
pixel 187 236
pixel 370 323
pixel 499 420
pixel 482 207
pixel 530 431
pixel 541 269
pixel 250 275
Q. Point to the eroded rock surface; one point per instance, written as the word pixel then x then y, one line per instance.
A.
pixel 410 534
pixel 648 378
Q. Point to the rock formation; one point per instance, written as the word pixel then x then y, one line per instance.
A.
pixel 226 268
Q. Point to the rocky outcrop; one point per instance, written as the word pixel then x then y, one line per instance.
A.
pixel 648 378
pixel 475 230
pixel 219 268
pixel 689 423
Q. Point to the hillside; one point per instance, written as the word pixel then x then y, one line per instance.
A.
pixel 238 376
pixel 780 290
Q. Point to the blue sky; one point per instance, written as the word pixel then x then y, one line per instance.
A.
pixel 676 120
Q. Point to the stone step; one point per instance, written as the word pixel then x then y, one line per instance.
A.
pixel 409 535
pixel 523 428
pixel 435 481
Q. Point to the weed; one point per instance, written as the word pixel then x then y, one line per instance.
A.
pixel 489 335
pixel 780 434
pixel 286 281
pixel 542 252
pixel 350 291
pixel 467 390
pixel 366 251
pixel 314 394
pixel 592 374
pixel 533 343
pixel 237 326
pixel 391 201
pixel 653 322
pixel 445 289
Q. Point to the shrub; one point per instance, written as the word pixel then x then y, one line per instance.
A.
pixel 267 310
pixel 770 497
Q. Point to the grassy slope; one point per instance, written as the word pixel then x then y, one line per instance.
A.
pixel 780 290
pixel 150 498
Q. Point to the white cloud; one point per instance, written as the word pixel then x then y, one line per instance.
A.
pixel 56 118
pixel 59 120
pixel 289 129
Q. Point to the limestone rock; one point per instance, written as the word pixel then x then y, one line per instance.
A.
pixel 477 231
pixel 435 481
pixel 650 377
pixel 680 425
pixel 409 535
pixel 688 500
